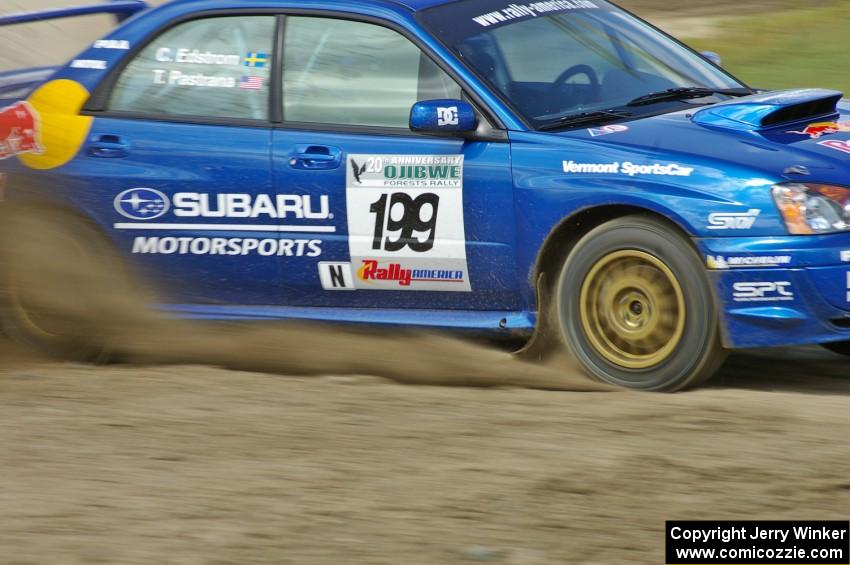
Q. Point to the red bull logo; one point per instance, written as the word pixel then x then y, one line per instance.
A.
pixel 18 130
pixel 820 129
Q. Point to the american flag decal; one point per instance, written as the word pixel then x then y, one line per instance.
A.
pixel 251 83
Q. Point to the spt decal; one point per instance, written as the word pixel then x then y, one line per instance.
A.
pixel 18 130
pixel 763 291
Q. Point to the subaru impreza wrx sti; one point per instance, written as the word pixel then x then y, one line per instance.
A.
pixel 559 167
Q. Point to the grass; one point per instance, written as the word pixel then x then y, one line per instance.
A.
pixel 788 48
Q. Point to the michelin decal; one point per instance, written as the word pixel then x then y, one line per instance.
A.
pixel 722 262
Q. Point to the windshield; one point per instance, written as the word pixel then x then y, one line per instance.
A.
pixel 559 58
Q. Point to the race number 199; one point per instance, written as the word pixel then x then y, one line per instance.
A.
pixel 415 215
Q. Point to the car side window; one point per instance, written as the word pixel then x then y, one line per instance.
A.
pixel 213 67
pixel 354 73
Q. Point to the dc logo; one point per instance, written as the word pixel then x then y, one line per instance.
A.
pixel 142 204
pixel 447 116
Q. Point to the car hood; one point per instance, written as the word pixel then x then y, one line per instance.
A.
pixel 792 134
pixel 18 84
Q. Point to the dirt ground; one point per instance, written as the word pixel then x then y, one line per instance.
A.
pixel 198 465
pixel 169 459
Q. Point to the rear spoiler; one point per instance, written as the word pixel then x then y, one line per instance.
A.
pixel 122 9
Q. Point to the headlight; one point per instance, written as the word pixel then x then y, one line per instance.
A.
pixel 813 208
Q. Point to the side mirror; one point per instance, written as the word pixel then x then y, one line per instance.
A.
pixel 443 116
pixel 713 57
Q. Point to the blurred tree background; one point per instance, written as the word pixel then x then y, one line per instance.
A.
pixel 765 43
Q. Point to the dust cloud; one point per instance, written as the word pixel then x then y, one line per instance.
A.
pixel 74 284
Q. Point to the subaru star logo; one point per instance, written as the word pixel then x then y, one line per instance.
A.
pixel 141 204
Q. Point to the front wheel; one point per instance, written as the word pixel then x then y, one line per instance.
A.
pixel 635 306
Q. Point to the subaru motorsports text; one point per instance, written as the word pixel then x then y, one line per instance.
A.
pixel 468 165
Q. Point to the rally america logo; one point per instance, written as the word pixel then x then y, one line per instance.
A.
pixel 18 130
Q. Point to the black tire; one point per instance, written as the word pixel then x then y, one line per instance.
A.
pixel 635 306
pixel 60 280
pixel 839 347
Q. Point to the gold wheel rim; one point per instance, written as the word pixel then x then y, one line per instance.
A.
pixel 632 309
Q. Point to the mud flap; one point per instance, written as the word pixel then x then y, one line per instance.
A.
pixel 544 341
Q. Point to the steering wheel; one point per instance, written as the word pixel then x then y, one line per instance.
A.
pixel 586 70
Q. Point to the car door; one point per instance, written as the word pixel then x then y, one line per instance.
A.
pixel 178 168
pixel 419 221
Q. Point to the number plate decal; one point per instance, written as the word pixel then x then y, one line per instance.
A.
pixel 405 222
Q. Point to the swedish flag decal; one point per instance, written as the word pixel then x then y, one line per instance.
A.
pixel 256 60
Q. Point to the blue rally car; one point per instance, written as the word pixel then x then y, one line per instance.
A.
pixel 558 167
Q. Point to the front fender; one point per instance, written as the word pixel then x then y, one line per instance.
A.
pixel 560 178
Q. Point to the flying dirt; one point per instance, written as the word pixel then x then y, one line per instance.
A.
pixel 74 289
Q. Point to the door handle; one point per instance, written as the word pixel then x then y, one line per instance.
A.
pixel 315 157
pixel 109 147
